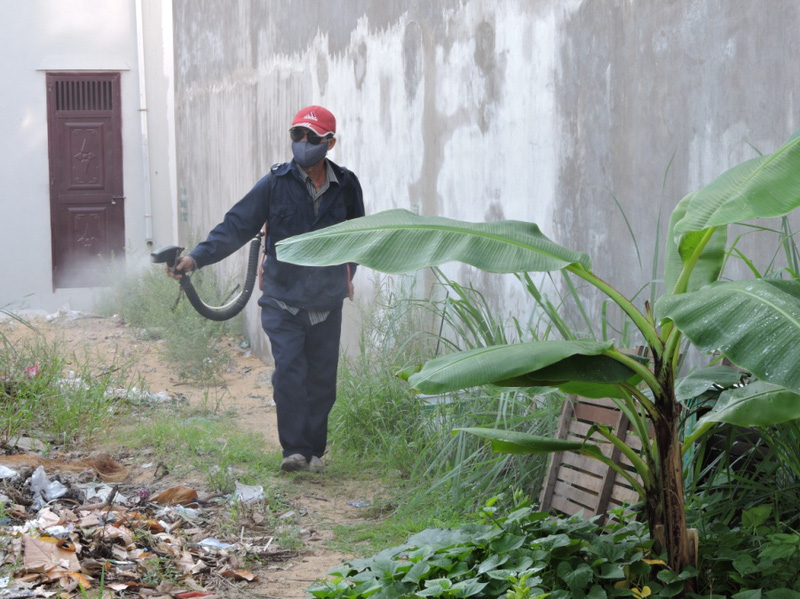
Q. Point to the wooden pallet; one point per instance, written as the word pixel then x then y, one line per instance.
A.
pixel 578 484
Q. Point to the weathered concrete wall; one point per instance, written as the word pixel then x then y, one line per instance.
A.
pixel 51 35
pixel 541 110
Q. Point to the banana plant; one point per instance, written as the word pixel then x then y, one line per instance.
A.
pixel 754 323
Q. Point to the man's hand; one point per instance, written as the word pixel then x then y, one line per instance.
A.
pixel 185 265
pixel 350 290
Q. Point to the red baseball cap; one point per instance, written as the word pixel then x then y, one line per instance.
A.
pixel 318 119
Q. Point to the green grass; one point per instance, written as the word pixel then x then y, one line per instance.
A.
pixel 192 441
pixel 58 398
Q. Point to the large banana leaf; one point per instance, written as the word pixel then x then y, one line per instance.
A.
pixel 519 365
pixel 756 324
pixel 504 441
pixel 756 404
pixel 399 241
pixel 680 247
pixel 586 376
pixel 764 187
pixel 698 382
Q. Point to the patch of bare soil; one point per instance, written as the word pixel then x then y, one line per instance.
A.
pixel 252 565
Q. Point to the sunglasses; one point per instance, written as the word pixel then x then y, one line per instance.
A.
pixel 297 134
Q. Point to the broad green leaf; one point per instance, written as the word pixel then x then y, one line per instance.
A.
pixel 596 592
pixel 417 572
pixel 504 441
pixel 491 563
pixel 700 381
pixel 764 187
pixel 496 363
pixel 468 588
pixel 585 376
pixel 598 390
pixel 782 593
pixel 756 516
pixel 398 241
pixel 756 404
pixel 756 324
pixel 680 247
pixel 576 578
pixel 583 369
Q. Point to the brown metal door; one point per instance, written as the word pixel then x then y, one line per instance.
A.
pixel 87 208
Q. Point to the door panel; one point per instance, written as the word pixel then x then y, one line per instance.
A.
pixel 86 193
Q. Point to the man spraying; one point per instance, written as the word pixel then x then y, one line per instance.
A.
pixel 301 306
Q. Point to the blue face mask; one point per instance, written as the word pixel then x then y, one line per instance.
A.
pixel 306 154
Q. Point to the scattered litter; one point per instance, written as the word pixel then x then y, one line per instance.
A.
pixel 6 473
pixel 43 489
pixel 95 494
pixel 214 544
pixel 248 493
pixel 71 381
pixel 102 465
pixel 58 531
pixel 133 394
pixel 358 503
pixel 139 396
pixel 179 512
pixel 69 314
pixel 68 542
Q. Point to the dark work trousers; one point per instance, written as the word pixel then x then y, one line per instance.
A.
pixel 304 381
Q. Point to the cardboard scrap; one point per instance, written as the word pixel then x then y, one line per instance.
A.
pixel 44 555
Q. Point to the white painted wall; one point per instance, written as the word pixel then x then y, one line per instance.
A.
pixel 46 35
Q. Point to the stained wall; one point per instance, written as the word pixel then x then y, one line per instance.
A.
pixel 591 118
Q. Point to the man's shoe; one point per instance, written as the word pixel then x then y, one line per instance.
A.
pixel 316 464
pixel 294 463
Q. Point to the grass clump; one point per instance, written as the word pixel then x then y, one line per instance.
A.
pixel 58 398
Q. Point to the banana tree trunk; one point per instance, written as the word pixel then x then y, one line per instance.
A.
pixel 666 508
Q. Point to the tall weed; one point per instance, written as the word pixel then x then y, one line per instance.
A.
pixel 380 422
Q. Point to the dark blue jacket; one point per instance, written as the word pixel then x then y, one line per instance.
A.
pixel 280 200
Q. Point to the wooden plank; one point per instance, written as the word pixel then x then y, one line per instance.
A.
pixel 621 495
pixel 633 441
pixel 582 497
pixel 567 506
pixel 603 402
pixel 545 497
pixel 611 475
pixel 595 414
pixel 580 479
pixel 581 429
pixel 583 463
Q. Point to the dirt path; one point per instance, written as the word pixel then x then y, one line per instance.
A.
pixel 318 502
